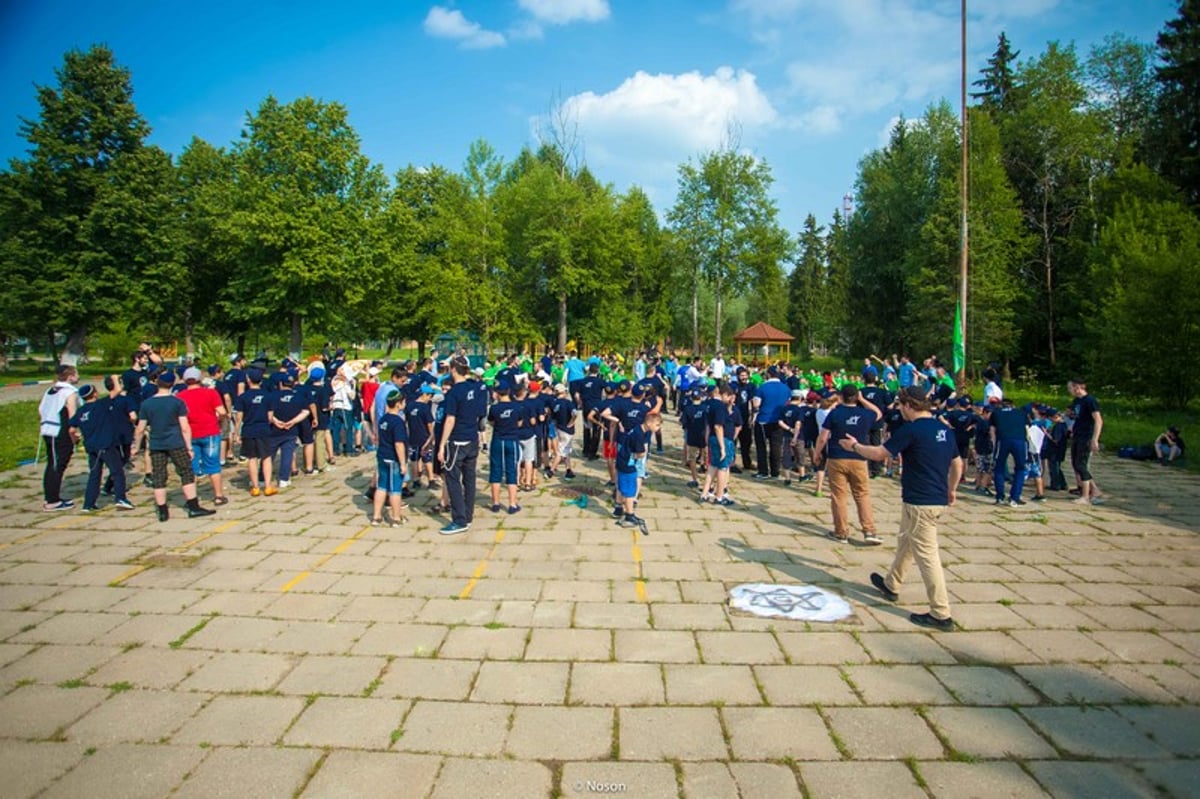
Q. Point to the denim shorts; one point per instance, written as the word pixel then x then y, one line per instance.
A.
pixel 206 455
pixel 391 476
pixel 714 450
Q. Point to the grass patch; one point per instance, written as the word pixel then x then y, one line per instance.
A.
pixel 91 750
pixel 181 640
pixel 397 734
pixel 18 434
pixel 495 625
pixel 76 683
pixel 1006 602
pixel 915 768
pixel 120 687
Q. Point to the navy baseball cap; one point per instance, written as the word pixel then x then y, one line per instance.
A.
pixel 167 378
pixel 639 390
pixel 254 374
pixel 87 391
pixel 623 385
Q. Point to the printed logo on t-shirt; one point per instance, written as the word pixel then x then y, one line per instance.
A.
pixel 941 435
pixel 852 421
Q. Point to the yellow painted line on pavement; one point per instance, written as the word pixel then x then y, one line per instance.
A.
pixel 30 537
pixel 482 567
pixel 339 549
pixel 639 585
pixel 132 572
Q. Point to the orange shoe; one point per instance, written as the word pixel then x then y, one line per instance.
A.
pixel 254 492
pixel 270 491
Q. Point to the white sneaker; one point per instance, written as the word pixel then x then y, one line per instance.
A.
pixel 285 484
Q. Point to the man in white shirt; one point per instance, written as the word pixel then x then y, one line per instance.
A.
pixel 717 366
pixel 58 405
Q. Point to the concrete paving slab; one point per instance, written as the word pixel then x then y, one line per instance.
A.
pixel 136 716
pixel 883 733
pixel 805 685
pixel 989 732
pixel 860 780
pixel 239 671
pixel 979 781
pixel 620 684
pixel 1093 732
pixel 27 768
pixel 575 645
pixel 39 712
pixel 484 643
pixel 772 733
pixel 671 734
pixel 561 733
pixel 522 683
pixel 250 774
pixel 426 678
pixel 52 664
pixel 650 780
pixel 897 685
pixel 240 721
pixel 1089 778
pixel 348 723
pixel 450 728
pixel 128 771
pixel 353 773
pixel 336 675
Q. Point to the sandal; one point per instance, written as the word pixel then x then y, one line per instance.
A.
pixel 376 522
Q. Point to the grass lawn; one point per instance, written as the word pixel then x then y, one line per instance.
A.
pixel 18 433
pixel 1128 421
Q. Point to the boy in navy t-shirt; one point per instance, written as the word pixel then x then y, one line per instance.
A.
pixel 632 448
pixel 253 419
pixel 932 470
pixel 95 423
pixel 391 460
pixel 564 413
pixel 695 434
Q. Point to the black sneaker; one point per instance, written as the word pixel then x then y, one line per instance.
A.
pixel 618 512
pixel 570 475
pixel 197 511
pixel 1016 503
pixel 881 587
pixel 735 469
pixel 928 620
pixel 164 513
pixel 1038 498
pixel 999 501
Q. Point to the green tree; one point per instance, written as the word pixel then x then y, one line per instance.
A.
pixel 1176 131
pixel 996 94
pixel 837 315
pixel 304 194
pixel 806 285
pixel 727 221
pixel 1120 79
pixel 58 277
pixel 1054 148
pixel 1148 320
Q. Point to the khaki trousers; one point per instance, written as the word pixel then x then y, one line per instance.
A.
pixel 849 478
pixel 918 541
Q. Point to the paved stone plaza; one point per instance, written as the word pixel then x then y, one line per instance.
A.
pixel 284 647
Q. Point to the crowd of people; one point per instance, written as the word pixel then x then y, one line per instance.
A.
pixel 428 424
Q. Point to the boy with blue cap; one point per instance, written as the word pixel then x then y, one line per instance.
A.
pixel 94 422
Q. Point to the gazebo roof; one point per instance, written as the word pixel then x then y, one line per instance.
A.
pixel 762 332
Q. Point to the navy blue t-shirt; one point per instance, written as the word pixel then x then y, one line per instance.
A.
pixel 928 448
pixel 467 403
pixel 252 405
pixel 695 423
pixel 286 405
pixel 134 381
pixel 564 415
pixel 1010 423
pixel 630 444
pixel 591 391
pixel 418 416
pixel 505 417
pixel 95 420
pixel 790 415
pixel 848 420
pixel 391 432
pixel 120 407
pixel 880 397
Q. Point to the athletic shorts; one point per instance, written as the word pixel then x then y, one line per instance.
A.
pixel 305 429
pixel 502 462
pixel 159 458
pixel 565 440
pixel 206 455
pixel 695 441
pixel 529 450
pixel 1033 467
pixel 610 450
pixel 256 447
pixel 627 484
pixel 391 476
pixel 714 451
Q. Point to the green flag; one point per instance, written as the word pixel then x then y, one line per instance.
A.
pixel 960 350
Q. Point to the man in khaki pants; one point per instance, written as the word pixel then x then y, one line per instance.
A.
pixel 846 470
pixel 932 469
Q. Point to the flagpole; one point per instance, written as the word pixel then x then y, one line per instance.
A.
pixel 962 278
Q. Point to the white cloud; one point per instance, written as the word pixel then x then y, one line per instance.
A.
pixel 563 12
pixel 671 115
pixel 448 23
pixel 884 137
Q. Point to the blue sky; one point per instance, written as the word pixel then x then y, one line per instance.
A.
pixel 813 85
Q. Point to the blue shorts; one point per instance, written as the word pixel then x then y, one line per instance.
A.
pixel 714 451
pixel 627 484
pixel 502 462
pixel 206 455
pixel 1033 467
pixel 391 476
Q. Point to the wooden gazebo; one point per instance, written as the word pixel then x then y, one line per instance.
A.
pixel 764 343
